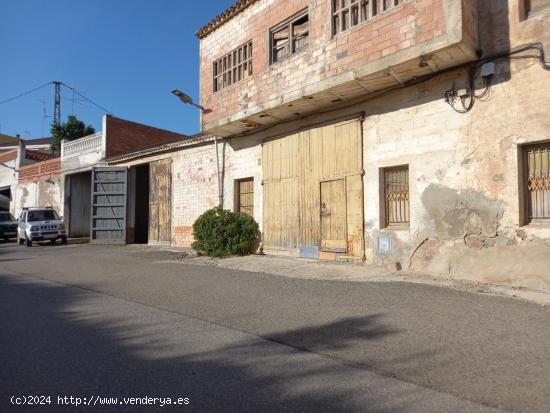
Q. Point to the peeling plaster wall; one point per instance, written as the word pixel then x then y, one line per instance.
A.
pixel 464 178
pixel 465 196
pixel 8 177
pixel 39 194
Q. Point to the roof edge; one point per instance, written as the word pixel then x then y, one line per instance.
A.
pixel 223 17
pixel 197 139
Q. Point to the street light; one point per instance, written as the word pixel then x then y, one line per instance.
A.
pixel 189 101
pixel 186 98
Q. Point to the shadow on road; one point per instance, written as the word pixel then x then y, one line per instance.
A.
pixel 60 340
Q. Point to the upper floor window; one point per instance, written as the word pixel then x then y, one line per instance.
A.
pixel 534 6
pixel 234 66
pixel 350 13
pixel 289 37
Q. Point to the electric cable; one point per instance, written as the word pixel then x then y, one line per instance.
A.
pixel 25 93
pixel 85 98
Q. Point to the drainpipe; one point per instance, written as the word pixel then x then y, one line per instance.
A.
pixel 220 192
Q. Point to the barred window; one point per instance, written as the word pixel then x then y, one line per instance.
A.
pixel 289 37
pixel 396 195
pixel 537 163
pixel 245 199
pixel 350 13
pixel 233 67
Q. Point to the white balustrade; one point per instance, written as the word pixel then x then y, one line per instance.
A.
pixel 81 146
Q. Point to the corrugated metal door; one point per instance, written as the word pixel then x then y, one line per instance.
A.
pixel 160 205
pixel 109 187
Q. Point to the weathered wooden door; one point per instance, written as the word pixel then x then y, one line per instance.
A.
pixel 295 170
pixel 160 205
pixel 108 222
pixel 333 216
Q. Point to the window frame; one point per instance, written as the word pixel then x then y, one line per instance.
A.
pixel 290 24
pixel 238 205
pixel 242 68
pixel 385 204
pixel 374 9
pixel 528 217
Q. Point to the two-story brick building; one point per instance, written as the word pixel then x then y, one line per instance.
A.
pixel 402 131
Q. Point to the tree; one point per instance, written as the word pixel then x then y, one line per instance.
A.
pixel 70 130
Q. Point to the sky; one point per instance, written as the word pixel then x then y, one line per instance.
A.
pixel 124 55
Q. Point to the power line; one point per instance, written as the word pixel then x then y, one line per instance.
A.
pixel 25 93
pixel 87 99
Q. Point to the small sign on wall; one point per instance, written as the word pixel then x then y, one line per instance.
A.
pixel 384 244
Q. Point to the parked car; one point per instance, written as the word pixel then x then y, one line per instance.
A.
pixel 8 226
pixel 40 224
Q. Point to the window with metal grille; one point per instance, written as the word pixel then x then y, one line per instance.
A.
pixel 396 195
pixel 245 200
pixel 537 185
pixel 350 13
pixel 289 37
pixel 233 67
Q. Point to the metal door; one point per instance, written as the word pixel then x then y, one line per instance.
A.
pixel 333 216
pixel 109 188
pixel 160 205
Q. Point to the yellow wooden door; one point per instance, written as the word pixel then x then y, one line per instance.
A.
pixel 333 216
pixel 160 206
pixel 296 168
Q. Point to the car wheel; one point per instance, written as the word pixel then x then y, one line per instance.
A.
pixel 52 241
pixel 64 240
pixel 28 241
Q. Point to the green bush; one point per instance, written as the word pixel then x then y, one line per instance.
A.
pixel 219 233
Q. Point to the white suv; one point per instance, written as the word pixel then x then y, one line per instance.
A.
pixel 40 224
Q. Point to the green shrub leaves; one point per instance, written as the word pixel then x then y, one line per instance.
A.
pixel 219 233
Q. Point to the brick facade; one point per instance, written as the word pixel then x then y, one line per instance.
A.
pixel 194 189
pixel 124 136
pixel 40 171
pixel 409 24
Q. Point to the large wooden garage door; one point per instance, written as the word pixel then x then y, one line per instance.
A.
pixel 301 168
pixel 160 206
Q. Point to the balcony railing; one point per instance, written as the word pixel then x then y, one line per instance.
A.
pixel 92 143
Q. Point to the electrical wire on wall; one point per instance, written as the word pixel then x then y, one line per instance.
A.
pixel 464 102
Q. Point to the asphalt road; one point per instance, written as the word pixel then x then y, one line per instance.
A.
pixel 126 322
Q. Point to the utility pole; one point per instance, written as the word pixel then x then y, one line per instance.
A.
pixel 57 103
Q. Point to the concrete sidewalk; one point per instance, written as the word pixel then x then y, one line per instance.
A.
pixel 311 269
